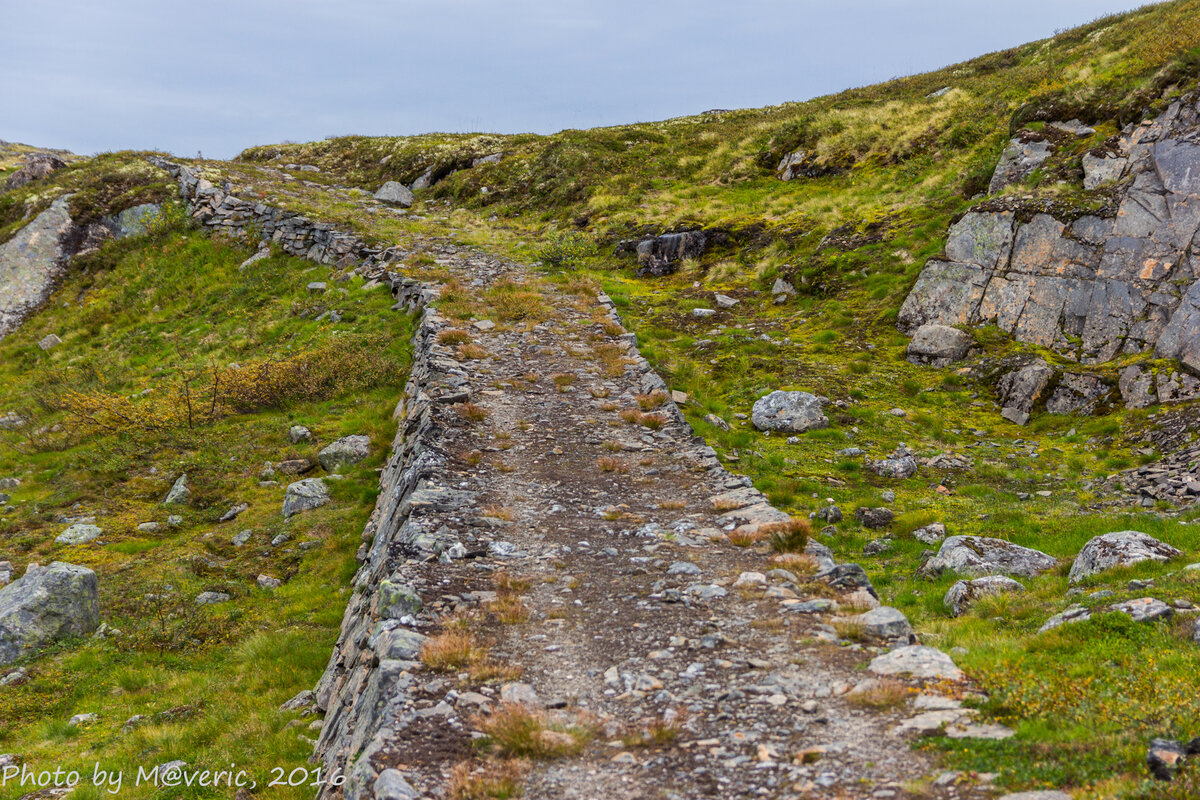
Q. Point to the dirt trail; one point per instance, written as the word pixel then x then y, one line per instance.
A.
pixel 630 620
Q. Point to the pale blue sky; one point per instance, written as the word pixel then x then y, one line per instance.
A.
pixel 221 75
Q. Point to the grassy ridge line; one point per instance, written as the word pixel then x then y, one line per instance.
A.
pixel 716 170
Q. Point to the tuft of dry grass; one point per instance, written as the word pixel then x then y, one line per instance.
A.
pixel 847 628
pixel 745 536
pixel 612 329
pixel 513 730
pixel 787 537
pixel 672 505
pixel 509 609
pixel 633 416
pixel 656 731
pixel 489 780
pixel 468 352
pixel 886 693
pixel 499 512
pixel 612 360
pixel 472 458
pixel 799 563
pixel 507 583
pixel 649 402
pixel 452 650
pixel 564 380
pixel 453 337
pixel 721 505
pixel 610 464
pixel 471 412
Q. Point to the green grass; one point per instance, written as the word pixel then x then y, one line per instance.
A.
pixel 139 315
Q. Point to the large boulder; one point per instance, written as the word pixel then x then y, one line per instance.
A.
pixel 345 451
pixel 305 495
pixel 894 467
pixel 962 594
pixel 395 193
pixel 790 412
pixel 874 518
pixel 31 263
pixel 1119 549
pixel 179 494
pixel 79 533
pixel 1020 389
pixel 980 555
pixel 37 166
pixel 660 255
pixel 45 605
pixel 917 661
pixel 938 345
pixel 1077 393
pixel 885 624
pixel 1020 158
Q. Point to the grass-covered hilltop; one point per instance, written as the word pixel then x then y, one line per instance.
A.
pixel 201 419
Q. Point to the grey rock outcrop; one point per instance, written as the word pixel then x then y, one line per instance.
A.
pixel 1021 389
pixel 962 594
pixel 1077 393
pixel 1091 287
pixel 938 345
pixel 395 193
pixel 305 495
pixel 884 624
pixel 134 221
pixel 1137 387
pixel 660 255
pixel 36 167
pixel 1020 158
pixel 1119 549
pixel 179 493
pixel 79 533
pixel 874 518
pixel 919 662
pixel 31 264
pixel 790 412
pixel 982 556
pixel 900 467
pixel 345 451
pixel 45 605
pixel 1102 168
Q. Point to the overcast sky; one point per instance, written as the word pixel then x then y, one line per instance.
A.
pixel 220 75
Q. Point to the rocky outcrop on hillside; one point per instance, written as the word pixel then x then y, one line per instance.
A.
pixel 1092 287
pixel 31 263
pixel 37 166
pixel 660 255
pixel 34 260
pixel 46 604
